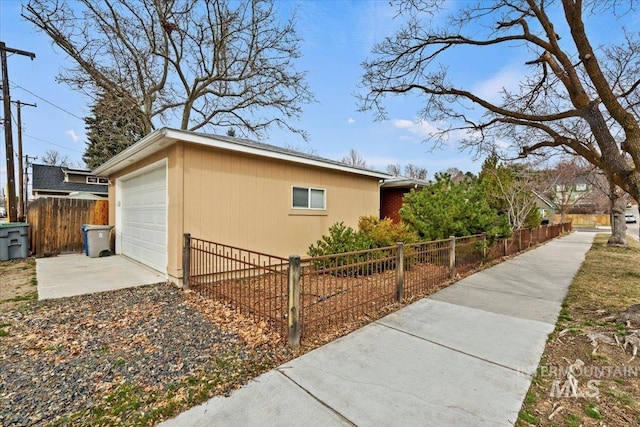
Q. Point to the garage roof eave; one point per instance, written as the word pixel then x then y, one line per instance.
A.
pixel 136 152
pixel 165 137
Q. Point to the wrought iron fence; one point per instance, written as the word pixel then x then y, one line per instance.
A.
pixel 427 265
pixel 302 297
pixel 341 288
pixel 253 282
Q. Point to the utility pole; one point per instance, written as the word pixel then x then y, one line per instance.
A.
pixel 22 200
pixel 8 133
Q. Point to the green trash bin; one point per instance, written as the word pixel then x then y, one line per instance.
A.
pixel 97 240
pixel 14 240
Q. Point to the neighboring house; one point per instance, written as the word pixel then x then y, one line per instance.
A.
pixel 546 208
pixel 392 192
pixel 573 193
pixel 61 181
pixel 228 190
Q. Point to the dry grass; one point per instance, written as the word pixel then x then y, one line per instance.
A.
pixel 608 384
pixel 609 279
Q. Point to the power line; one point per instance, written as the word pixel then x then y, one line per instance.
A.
pixel 44 140
pixel 48 102
pixel 52 143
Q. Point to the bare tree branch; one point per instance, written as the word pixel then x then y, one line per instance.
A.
pixel 584 105
pixel 200 63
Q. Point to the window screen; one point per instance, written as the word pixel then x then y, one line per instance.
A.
pixel 308 198
pixel 300 197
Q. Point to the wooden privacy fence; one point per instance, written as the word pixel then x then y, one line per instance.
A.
pixel 301 297
pixel 589 220
pixel 56 223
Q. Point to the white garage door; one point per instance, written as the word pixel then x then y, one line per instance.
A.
pixel 143 223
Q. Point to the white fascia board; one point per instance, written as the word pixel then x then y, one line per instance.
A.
pixel 136 152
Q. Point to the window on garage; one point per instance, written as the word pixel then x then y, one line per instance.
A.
pixel 308 198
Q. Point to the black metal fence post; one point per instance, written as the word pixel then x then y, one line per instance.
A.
pixel 400 272
pixel 452 257
pixel 186 260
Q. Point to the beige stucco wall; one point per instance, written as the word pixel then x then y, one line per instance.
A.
pixel 245 201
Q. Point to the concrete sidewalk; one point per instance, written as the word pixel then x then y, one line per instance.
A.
pixel 465 356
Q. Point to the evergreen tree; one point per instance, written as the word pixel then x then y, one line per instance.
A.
pixel 115 124
pixel 447 209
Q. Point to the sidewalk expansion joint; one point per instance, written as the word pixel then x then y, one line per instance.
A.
pixel 314 397
pixel 456 350
pixel 509 293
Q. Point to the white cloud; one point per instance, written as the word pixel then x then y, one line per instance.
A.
pixel 351 120
pixel 507 78
pixel 502 144
pixel 72 134
pixel 420 128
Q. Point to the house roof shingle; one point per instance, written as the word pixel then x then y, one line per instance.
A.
pixel 51 179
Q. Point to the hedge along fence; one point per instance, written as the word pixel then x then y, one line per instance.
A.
pixel 303 297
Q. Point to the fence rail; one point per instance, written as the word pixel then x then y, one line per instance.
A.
pixel 254 282
pixel 301 297
pixel 56 223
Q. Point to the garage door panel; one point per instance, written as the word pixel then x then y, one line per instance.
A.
pixel 144 218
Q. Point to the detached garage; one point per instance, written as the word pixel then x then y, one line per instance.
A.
pixel 228 190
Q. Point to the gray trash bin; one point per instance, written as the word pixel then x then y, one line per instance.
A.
pixel 98 240
pixel 14 240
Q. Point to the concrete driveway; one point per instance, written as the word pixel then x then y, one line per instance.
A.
pixel 77 274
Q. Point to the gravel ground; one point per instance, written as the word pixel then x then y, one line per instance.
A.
pixel 61 360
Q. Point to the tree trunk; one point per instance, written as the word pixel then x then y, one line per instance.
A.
pixel 618 223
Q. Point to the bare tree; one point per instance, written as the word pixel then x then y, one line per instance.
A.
pixel 354 159
pixel 410 171
pixel 304 149
pixel 616 201
pixel 198 62
pixel 394 169
pixel 572 99
pixel 619 199
pixel 512 190
pixel 518 197
pixel 54 158
pixel 456 175
pixel 416 172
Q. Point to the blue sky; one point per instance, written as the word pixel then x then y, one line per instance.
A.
pixel 338 35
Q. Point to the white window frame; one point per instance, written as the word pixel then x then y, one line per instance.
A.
pixel 309 190
pixel 95 180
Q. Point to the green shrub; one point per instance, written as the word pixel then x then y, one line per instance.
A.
pixel 372 233
pixel 445 209
pixel 384 232
pixel 340 239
